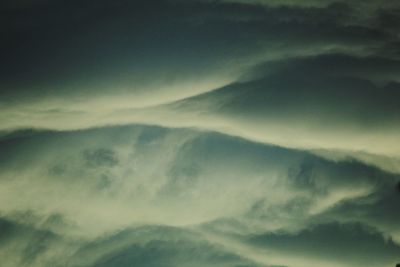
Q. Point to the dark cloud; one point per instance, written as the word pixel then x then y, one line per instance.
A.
pixel 373 68
pixel 342 243
pixel 199 133
pixel 7 230
pixel 100 157
pixel 23 244
pixel 60 47
pixel 159 246
pixel 333 87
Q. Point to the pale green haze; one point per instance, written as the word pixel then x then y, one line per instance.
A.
pixel 199 133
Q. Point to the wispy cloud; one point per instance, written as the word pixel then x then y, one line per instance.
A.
pixel 199 133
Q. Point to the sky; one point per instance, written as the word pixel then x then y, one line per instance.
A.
pixel 197 133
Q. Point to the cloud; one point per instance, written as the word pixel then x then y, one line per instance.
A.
pixel 22 244
pixel 109 179
pixel 155 245
pixel 121 47
pixel 352 114
pixel 347 245
pixel 199 133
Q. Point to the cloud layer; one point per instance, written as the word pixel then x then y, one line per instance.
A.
pixel 199 133
pixel 109 179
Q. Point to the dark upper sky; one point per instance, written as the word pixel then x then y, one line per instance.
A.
pixel 199 133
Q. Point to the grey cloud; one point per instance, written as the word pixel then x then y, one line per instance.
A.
pixel 347 244
pixel 159 246
pixel 100 157
pixel 375 210
pixel 199 133
pixel 296 42
pixel 118 44
pixel 22 244
pixel 178 176
pixel 373 68
pixel 190 165
pixel 339 87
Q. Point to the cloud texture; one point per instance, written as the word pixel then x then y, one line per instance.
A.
pixel 199 133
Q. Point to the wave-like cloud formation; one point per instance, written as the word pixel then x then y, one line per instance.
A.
pixel 233 194
pixel 300 103
pixel 199 133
